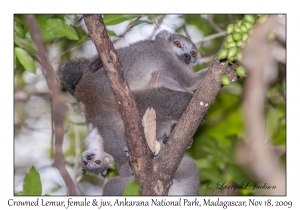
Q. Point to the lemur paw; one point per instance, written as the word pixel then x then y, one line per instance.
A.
pixel 126 151
pixel 96 161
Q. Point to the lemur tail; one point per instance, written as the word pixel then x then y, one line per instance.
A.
pixel 71 73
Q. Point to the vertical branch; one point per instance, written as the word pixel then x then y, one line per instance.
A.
pixel 77 141
pixel 139 152
pixel 257 156
pixel 58 104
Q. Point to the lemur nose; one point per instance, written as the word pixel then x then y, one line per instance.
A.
pixel 187 57
pixel 89 157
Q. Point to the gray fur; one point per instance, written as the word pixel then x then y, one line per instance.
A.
pixel 186 180
pixel 168 92
pixel 95 160
pixel 72 73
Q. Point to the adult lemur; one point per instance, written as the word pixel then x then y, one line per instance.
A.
pixel 159 74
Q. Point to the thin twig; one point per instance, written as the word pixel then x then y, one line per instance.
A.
pixel 210 37
pixel 157 26
pixel 77 123
pixel 185 28
pixel 230 19
pixel 77 149
pixel 78 178
pixel 205 60
pixel 77 141
pixel 129 27
pixel 21 98
pixel 68 50
pixel 213 24
pixel 25 125
pixel 27 50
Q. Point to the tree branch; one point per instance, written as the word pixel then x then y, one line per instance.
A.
pixel 155 176
pixel 58 104
pixel 213 24
pixel 139 152
pixel 210 37
pixel 189 121
pixel 26 49
pixel 157 25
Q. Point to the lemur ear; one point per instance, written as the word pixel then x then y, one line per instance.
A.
pixel 163 35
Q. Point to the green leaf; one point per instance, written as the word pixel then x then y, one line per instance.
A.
pixel 60 28
pixel 132 188
pixel 236 174
pixel 82 35
pixel 32 183
pixel 116 19
pixel 204 163
pixel 25 59
pixel 111 33
pixel 27 42
pixel 112 172
pixel 18 193
pixel 19 30
pixel 212 175
pixel 41 20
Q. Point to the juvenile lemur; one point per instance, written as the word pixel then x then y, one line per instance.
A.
pixel 159 74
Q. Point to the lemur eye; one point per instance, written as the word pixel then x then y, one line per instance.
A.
pixel 193 54
pixel 177 44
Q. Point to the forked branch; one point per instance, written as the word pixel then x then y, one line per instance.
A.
pixel 159 172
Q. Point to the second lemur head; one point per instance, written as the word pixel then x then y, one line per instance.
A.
pixel 184 48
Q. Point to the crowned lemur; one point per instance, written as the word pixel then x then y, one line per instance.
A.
pixel 159 74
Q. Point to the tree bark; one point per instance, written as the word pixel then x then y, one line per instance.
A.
pixel 139 152
pixel 188 123
pixel 155 176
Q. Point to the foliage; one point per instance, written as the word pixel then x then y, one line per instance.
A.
pixel 61 29
pixel 132 188
pixel 32 184
pixel 214 142
pixel 25 59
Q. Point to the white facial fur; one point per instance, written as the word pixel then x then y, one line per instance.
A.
pixel 184 50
